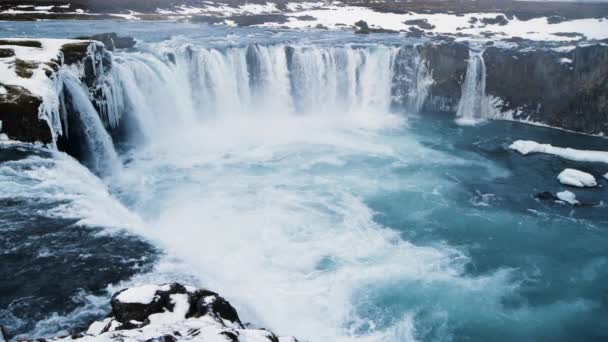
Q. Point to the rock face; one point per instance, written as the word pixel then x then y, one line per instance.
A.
pixel 22 113
pixel 172 312
pixel 566 90
pixel 447 64
pixel 561 89
pixel 19 115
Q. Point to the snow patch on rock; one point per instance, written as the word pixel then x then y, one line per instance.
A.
pixel 144 294
pixel 576 178
pixel 527 146
pixel 567 197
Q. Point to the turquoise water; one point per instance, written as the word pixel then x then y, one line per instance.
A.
pixel 330 225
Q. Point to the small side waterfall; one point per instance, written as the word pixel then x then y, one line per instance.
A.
pixel 411 80
pixel 474 105
pixel 97 149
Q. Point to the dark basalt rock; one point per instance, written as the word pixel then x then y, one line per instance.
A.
pixel 126 312
pixel 422 23
pixel 112 41
pixel 498 20
pixel 5 53
pixel 19 116
pixel 546 196
pixel 415 32
pixel 362 27
pixel 537 86
pixel 447 63
pixel 24 43
pixel 205 302
pixel 258 19
pixel 207 19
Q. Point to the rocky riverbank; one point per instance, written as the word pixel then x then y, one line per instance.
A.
pixel 168 313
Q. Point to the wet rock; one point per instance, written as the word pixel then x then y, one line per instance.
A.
pixel 447 62
pixel 546 196
pixel 19 116
pixel 536 85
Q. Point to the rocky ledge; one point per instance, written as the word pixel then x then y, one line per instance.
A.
pixel 30 90
pixel 564 87
pixel 167 313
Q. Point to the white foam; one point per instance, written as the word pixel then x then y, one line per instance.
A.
pixel 527 146
pixel 576 178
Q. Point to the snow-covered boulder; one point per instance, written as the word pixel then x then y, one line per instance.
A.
pixel 568 197
pixel 576 178
pixel 172 312
pixel 526 147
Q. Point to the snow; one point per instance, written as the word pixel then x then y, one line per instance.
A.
pixel 142 294
pixel 527 146
pixel 565 61
pixel 567 197
pixel 96 327
pixel 576 178
pixel 178 314
pixel 3 90
pixel 39 83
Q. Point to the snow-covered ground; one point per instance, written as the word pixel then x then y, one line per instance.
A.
pixel 576 178
pixel 337 15
pixel 527 146
pixel 38 83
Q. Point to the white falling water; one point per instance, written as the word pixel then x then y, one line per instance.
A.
pixel 101 156
pixel 204 83
pixel 412 79
pixel 474 105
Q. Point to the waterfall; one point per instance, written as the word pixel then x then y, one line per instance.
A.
pixel 411 80
pixel 163 89
pixel 474 105
pixel 97 147
pixel 166 86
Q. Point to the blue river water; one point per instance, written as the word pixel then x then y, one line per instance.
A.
pixel 339 221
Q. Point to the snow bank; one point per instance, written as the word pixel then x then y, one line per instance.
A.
pixel 337 15
pixel 527 146
pixel 38 83
pixel 567 197
pixel 576 178
pixel 143 294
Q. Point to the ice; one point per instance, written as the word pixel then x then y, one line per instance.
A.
pixel 527 146
pixel 567 197
pixel 576 178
